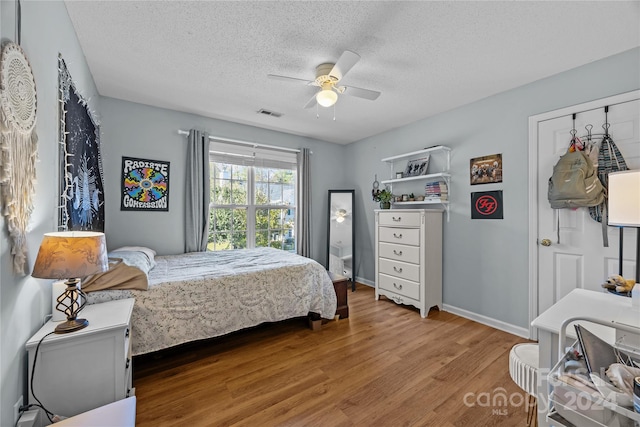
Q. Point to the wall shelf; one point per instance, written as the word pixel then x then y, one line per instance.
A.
pixel 443 176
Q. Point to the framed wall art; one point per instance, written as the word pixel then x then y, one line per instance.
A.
pixel 81 177
pixel 486 169
pixel 416 167
pixel 486 205
pixel 145 185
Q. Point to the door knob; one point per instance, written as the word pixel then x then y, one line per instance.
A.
pixel 545 242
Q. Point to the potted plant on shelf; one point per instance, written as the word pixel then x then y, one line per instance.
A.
pixel 384 197
pixel 411 197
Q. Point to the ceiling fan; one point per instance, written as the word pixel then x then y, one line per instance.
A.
pixel 327 78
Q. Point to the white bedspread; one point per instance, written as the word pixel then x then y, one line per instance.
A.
pixel 206 294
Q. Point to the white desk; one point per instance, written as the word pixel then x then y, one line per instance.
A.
pixel 579 302
pixel 121 413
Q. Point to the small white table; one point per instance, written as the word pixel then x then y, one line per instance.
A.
pixel 602 306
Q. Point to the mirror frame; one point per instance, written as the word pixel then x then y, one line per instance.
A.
pixel 352 279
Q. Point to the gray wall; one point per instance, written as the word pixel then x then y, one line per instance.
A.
pixel 485 267
pixel 24 301
pixel 135 130
pixel 485 261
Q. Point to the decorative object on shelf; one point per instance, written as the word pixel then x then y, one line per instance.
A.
pixel 624 206
pixel 71 255
pixel 18 148
pixel 81 177
pixel 399 175
pixel 486 169
pixel 412 197
pixel 145 185
pixel 417 167
pixel 486 205
pixel 384 197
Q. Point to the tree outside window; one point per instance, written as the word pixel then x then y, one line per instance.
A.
pixel 251 206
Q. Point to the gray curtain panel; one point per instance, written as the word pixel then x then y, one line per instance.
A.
pixel 304 203
pixel 197 192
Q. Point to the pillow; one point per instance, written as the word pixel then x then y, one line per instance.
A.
pixel 149 253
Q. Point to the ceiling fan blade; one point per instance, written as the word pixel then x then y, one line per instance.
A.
pixel 289 79
pixel 311 102
pixel 346 61
pixel 371 95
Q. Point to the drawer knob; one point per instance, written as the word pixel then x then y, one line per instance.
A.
pixel 397 270
pixel 397 236
pixel 399 253
pixel 398 219
pixel 399 287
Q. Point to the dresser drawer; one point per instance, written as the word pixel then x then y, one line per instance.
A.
pixel 401 219
pixel 400 252
pixel 405 236
pixel 400 269
pixel 400 286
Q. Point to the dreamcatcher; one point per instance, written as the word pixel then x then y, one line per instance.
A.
pixel 18 148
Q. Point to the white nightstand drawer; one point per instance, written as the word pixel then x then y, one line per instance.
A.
pixel 400 252
pixel 400 286
pixel 400 269
pixel 405 236
pixel 400 219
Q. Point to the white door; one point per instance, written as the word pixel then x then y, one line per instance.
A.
pixel 580 260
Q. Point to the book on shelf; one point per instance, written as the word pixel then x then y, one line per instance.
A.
pixel 436 189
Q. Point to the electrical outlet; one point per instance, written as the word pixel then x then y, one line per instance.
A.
pixel 16 410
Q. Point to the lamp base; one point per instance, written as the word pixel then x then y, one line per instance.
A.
pixel 71 326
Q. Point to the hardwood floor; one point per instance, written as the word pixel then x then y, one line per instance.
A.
pixel 383 366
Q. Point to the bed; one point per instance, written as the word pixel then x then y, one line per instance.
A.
pixel 201 295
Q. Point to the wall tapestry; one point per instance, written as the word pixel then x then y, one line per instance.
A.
pixel 145 185
pixel 486 205
pixel 18 148
pixel 81 177
pixel 486 170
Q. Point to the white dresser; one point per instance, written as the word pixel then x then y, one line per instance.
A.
pixel 80 371
pixel 409 257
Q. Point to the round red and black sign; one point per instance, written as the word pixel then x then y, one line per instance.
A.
pixel 486 205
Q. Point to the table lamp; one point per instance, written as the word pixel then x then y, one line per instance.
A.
pixel 71 255
pixel 624 205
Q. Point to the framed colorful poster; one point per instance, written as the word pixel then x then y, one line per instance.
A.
pixel 486 169
pixel 145 185
pixel 486 205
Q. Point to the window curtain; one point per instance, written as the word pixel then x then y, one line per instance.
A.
pixel 197 192
pixel 304 203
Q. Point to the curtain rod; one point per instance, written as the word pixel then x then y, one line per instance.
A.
pixel 252 144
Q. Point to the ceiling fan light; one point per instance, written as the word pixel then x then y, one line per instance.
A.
pixel 326 98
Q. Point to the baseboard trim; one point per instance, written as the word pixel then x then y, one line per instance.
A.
pixel 497 324
pixel 364 281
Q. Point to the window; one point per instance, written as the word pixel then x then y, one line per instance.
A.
pixel 253 198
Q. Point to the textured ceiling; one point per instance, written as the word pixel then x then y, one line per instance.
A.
pixel 212 57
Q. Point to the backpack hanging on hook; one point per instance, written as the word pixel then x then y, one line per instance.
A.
pixel 609 160
pixel 574 182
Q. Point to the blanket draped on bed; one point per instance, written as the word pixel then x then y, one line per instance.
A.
pixel 201 295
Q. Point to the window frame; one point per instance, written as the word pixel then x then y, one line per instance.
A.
pixel 240 158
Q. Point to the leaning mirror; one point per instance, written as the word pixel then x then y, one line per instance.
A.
pixel 341 253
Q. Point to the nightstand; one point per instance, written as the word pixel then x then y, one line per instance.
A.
pixel 340 285
pixel 86 369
